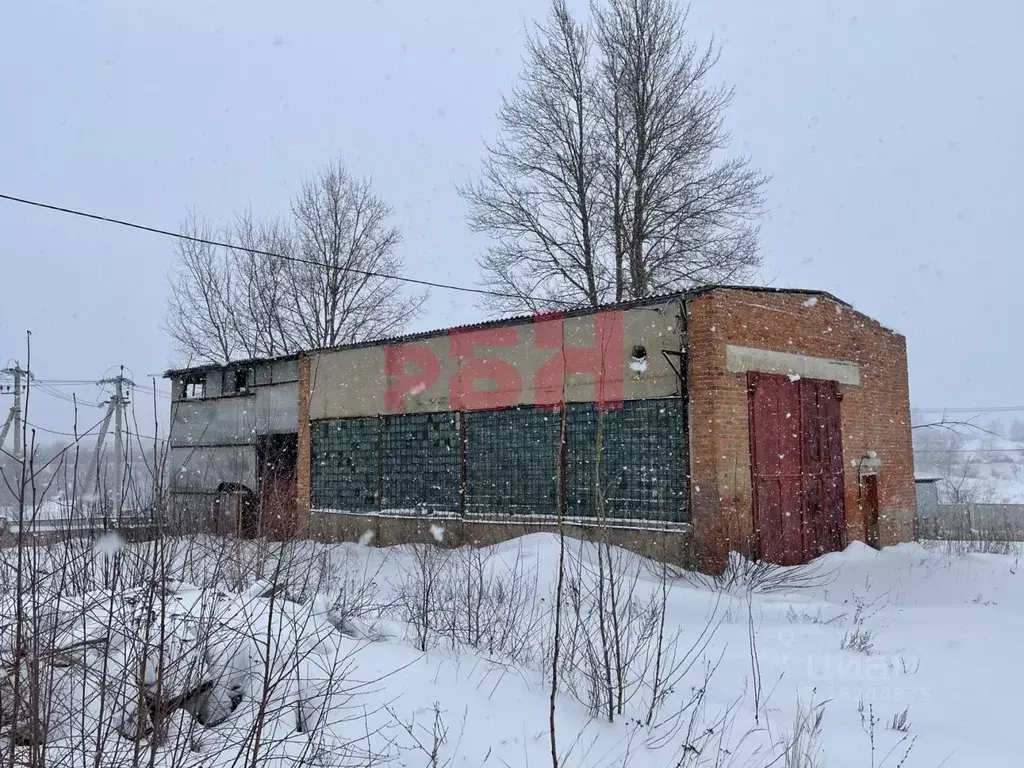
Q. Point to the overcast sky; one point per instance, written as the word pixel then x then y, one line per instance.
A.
pixel 893 132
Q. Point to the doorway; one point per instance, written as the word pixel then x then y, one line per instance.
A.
pixel 796 458
pixel 277 462
pixel 869 503
pixel 236 511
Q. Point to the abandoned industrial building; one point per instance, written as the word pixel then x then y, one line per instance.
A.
pixel 771 422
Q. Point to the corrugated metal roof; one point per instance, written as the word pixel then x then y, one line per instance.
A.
pixel 510 320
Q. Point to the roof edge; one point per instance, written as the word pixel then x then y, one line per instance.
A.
pixel 509 320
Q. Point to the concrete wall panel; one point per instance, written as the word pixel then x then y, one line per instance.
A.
pixel 221 421
pixel 214 383
pixel 277 408
pixel 284 371
pixel 527 363
pixel 743 359
pixel 206 468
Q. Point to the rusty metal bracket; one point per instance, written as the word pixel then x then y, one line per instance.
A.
pixel 668 355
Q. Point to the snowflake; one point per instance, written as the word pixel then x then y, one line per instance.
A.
pixel 109 544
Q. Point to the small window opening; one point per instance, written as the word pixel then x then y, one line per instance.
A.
pixel 195 388
pixel 235 382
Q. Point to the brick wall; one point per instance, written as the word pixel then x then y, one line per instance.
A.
pixel 875 415
pixel 303 468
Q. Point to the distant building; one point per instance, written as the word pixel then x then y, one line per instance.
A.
pixel 926 489
pixel 772 422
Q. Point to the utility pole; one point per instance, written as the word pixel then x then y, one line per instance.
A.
pixel 16 372
pixel 115 410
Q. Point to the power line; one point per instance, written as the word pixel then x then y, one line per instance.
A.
pixel 967 450
pixel 58 395
pixel 296 259
pixel 986 409
pixel 148 391
pixel 80 435
pixel 88 432
pixel 64 382
pixel 49 387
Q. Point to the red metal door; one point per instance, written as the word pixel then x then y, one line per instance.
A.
pixel 775 448
pixel 796 467
pixel 824 516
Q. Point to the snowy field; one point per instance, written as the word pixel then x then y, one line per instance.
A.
pixel 994 469
pixel 187 654
pixel 979 468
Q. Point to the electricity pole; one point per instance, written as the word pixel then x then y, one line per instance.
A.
pixel 115 410
pixel 14 416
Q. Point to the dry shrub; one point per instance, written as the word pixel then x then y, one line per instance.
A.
pixel 743 576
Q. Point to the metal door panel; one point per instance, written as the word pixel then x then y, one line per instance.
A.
pixel 796 467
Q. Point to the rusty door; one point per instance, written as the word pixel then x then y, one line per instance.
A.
pixel 278 484
pixel 796 467
pixel 824 502
pixel 869 505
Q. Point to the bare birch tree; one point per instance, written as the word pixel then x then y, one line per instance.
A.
pixel 322 278
pixel 610 179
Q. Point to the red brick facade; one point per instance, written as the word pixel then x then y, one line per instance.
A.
pixel 303 463
pixel 875 416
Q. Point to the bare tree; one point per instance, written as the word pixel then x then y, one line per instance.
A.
pixel 342 227
pixel 687 216
pixel 335 283
pixel 610 178
pixel 201 303
pixel 261 316
pixel 538 195
pixel 955 451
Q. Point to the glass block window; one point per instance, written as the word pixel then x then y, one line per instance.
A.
pixel 512 460
pixel 346 454
pixel 509 463
pixel 421 462
pixel 643 475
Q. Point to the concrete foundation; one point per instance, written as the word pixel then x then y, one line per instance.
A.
pixel 672 544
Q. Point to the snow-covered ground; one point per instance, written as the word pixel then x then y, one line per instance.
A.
pixel 905 657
